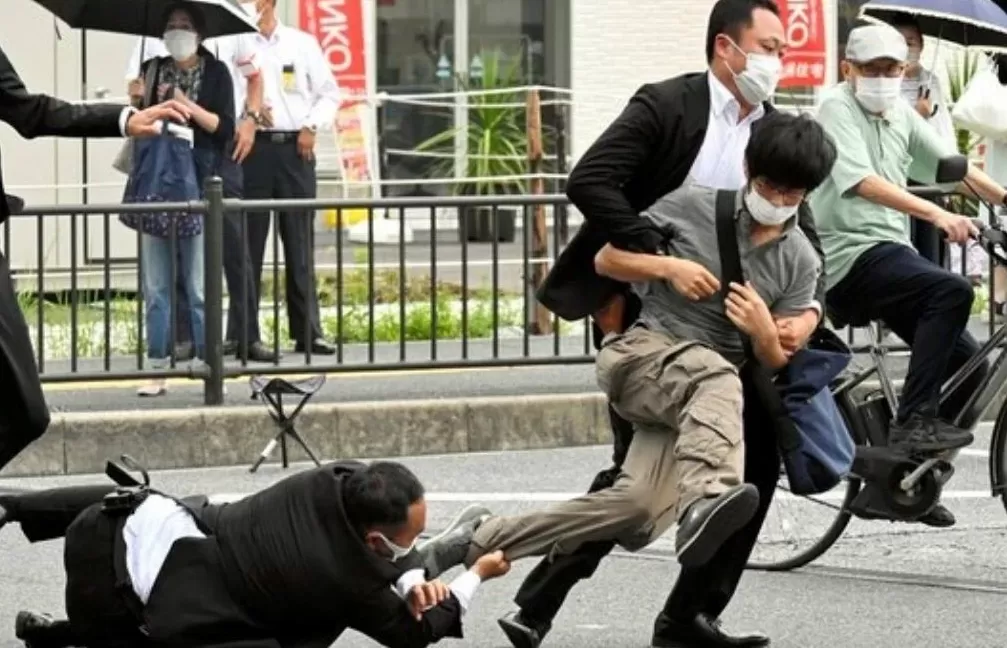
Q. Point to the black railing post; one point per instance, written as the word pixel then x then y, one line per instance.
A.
pixel 561 228
pixel 213 298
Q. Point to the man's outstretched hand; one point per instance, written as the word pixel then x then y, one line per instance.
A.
pixel 148 122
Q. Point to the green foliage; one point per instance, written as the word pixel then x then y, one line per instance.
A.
pixel 422 304
pixel 497 143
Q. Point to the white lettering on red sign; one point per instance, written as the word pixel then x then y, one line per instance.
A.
pixel 798 23
pixel 334 35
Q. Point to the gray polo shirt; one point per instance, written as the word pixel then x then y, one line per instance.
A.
pixel 783 271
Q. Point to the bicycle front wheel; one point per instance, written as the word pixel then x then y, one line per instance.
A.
pixel 798 529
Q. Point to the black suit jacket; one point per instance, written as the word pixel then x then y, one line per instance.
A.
pixel 644 154
pixel 284 567
pixel 32 115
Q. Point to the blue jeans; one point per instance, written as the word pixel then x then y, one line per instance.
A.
pixel 157 286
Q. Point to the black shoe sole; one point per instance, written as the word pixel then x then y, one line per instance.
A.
pixel 519 636
pixel 729 515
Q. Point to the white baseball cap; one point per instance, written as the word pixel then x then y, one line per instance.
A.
pixel 873 42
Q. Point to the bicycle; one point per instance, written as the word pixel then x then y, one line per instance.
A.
pixel 883 484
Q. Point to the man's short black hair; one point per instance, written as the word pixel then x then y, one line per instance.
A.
pixel 730 17
pixel 902 19
pixel 379 495
pixel 790 151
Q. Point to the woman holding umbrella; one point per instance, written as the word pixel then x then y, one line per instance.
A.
pixel 193 77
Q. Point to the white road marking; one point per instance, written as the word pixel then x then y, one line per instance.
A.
pixel 542 496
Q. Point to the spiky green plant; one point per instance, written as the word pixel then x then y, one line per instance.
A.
pixel 497 143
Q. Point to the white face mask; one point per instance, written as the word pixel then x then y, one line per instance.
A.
pixel 758 81
pixel 180 43
pixel 878 94
pixel 251 10
pixel 765 212
pixel 398 552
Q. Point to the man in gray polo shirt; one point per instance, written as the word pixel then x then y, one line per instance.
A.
pixel 674 374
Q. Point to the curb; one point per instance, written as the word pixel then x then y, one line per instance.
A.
pixel 79 443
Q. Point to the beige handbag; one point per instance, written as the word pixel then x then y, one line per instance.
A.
pixel 123 162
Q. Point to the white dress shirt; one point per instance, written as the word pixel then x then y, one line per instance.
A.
pixel 155 525
pixel 237 52
pixel 298 84
pixel 721 160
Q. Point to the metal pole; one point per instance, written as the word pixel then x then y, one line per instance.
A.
pixel 213 260
pixel 84 176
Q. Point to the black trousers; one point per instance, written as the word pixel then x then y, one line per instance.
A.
pixel 274 170
pixel 243 308
pixel 707 589
pixel 927 307
pixel 97 613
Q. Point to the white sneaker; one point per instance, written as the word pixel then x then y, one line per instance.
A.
pixel 157 387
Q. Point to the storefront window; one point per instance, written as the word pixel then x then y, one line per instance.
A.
pixel 413 38
pixel 416 45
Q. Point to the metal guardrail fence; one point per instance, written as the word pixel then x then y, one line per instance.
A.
pixel 445 302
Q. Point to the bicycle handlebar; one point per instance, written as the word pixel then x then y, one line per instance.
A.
pixel 930 192
pixel 993 240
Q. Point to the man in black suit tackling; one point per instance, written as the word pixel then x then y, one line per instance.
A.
pixel 690 128
pixel 24 416
pixel 292 566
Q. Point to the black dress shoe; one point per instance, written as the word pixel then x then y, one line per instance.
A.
pixel 523 632
pixel 34 629
pixel 708 522
pixel 702 632
pixel 319 346
pixel 230 347
pixel 258 352
pixel 940 517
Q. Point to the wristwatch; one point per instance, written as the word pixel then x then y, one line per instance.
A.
pixel 310 128
pixel 255 115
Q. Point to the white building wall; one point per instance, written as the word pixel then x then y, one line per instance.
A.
pixel 619 46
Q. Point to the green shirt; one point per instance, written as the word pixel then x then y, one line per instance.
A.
pixel 896 146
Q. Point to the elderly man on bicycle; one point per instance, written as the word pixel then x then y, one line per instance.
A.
pixel 872 271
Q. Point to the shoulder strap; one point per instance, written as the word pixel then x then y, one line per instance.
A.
pixel 727 245
pixel 149 83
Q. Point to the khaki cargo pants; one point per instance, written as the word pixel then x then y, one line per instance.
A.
pixel 685 401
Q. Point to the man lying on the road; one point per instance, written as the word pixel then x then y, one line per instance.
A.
pixel 291 566
pixel 674 374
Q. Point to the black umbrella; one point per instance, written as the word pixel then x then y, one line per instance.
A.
pixel 146 17
pixel 979 24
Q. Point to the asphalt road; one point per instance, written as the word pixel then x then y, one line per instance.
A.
pixel 882 585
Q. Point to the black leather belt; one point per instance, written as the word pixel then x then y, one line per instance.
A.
pixel 277 137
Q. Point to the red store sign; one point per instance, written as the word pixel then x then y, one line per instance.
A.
pixel 804 64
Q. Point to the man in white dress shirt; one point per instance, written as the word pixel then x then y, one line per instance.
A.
pixel 294 565
pixel 301 98
pixel 692 128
